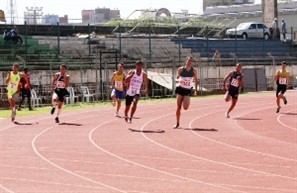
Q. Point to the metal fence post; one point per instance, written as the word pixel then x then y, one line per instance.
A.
pixel 58 38
pixel 89 39
pixel 179 45
pixel 120 41
pixel 150 47
pixel 26 42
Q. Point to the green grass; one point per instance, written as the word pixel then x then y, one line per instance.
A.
pixel 46 109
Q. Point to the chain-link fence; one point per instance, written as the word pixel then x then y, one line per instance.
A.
pixel 92 57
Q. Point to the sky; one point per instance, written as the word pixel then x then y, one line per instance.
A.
pixel 126 7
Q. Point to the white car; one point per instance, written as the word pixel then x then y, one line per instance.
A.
pixel 249 30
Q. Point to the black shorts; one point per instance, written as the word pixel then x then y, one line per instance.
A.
pixel 25 93
pixel 281 88
pixel 129 99
pixel 233 92
pixel 62 93
pixel 183 91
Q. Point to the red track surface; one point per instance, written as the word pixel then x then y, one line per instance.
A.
pixel 255 151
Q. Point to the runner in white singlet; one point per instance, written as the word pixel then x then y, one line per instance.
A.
pixel 134 82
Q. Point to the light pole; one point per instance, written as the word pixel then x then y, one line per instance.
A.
pixel 33 13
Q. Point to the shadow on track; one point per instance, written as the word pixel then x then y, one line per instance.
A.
pixel 289 113
pixel 147 131
pixel 199 129
pixel 73 124
pixel 247 119
pixel 24 123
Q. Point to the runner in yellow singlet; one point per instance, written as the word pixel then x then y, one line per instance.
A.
pixel 117 83
pixel 282 78
pixel 13 88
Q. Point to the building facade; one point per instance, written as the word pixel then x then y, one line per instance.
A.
pixel 99 15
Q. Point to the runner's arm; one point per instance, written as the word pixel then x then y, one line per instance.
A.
pixel 128 78
pixel 67 80
pixel 54 82
pixel 226 78
pixel 8 78
pixel 146 83
pixel 112 81
pixel 276 75
pixel 179 70
pixel 196 81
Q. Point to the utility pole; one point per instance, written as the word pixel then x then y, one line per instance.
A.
pixel 269 10
pixel 33 13
pixel 12 11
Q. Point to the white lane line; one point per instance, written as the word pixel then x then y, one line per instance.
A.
pixel 238 147
pixel 57 166
pixel 63 169
pixel 51 183
pixel 151 168
pixel 6 189
pixel 221 163
pixel 285 125
pixel 267 189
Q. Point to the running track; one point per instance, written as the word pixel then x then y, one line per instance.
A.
pixel 255 151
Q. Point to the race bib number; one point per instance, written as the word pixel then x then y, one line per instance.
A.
pixel 60 85
pixel 13 85
pixel 282 80
pixel 135 91
pixel 235 82
pixel 118 84
pixel 185 82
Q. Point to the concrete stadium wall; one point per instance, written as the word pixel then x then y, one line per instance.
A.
pixel 89 76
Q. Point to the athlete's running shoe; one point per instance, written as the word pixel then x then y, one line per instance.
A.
pixel 117 114
pixel 126 119
pixel 277 109
pixel 53 110
pixel 176 126
pixel 285 101
pixel 227 115
pixel 130 120
pixel 57 120
pixel 113 103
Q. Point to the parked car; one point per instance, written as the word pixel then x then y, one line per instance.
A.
pixel 249 30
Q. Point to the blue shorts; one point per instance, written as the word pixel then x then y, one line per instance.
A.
pixel 118 94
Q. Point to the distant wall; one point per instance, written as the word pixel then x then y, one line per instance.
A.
pixel 87 76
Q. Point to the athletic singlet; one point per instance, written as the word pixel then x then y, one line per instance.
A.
pixel 60 80
pixel 282 77
pixel 14 82
pixel 118 81
pixel 135 84
pixel 234 80
pixel 187 78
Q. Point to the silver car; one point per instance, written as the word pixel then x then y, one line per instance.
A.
pixel 249 30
